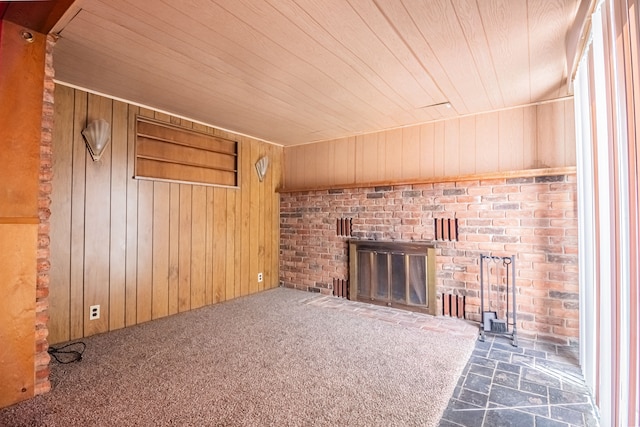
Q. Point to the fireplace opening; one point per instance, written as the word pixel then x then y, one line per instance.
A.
pixel 395 274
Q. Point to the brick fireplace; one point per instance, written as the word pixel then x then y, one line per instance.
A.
pixel 532 216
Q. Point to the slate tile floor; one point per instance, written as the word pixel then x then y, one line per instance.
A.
pixel 532 385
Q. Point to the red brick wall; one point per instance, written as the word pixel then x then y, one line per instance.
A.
pixel 534 218
pixel 44 202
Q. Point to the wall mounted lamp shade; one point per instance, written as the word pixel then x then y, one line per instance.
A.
pixel 97 136
pixel 261 167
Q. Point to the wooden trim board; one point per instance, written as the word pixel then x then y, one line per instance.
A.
pixel 571 170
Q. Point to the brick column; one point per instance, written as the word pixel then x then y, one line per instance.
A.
pixel 44 202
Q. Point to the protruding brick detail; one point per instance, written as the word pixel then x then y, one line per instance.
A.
pixel 44 203
pixel 533 218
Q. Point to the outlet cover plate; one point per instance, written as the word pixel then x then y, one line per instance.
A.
pixel 94 312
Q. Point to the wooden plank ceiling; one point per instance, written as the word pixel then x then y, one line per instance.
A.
pixel 297 71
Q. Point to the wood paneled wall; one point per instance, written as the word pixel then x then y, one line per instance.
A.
pixel 146 249
pixel 532 137
pixel 21 92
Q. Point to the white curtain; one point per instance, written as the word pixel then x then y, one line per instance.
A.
pixel 606 100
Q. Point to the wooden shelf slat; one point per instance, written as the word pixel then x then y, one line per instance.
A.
pixel 198 165
pixel 168 152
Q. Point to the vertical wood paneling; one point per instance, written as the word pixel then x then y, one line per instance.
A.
pixel 77 217
pixel 98 217
pixel 439 149
pixel 144 280
pixel 245 215
pixel 551 122
pixel 144 249
pixel 393 147
pixel 144 287
pixel 219 243
pixel 198 245
pixel 161 242
pixel 232 286
pixel 410 152
pixel 184 250
pixel 352 162
pixel 381 159
pixel 510 135
pixel 208 294
pixel 487 143
pixel 367 151
pixel 427 147
pixel 160 274
pixel 186 123
pixel 358 164
pixel 254 225
pixel 174 241
pixel 569 133
pixel 131 279
pixel 60 273
pixel 452 150
pixel 275 219
pixel 467 153
pixel 267 225
pixel 290 165
pixel 312 167
pixel 162 116
pixel 529 137
pixel 118 244
pixel 344 168
pixel 303 161
pixel 297 157
pixel 323 159
pixel 239 254
pixel 333 164
pixel 261 222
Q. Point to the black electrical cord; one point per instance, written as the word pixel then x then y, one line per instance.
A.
pixel 65 355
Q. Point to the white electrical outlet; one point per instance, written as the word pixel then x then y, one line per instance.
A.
pixel 259 277
pixel 94 312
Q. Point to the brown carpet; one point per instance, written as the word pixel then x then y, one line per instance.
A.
pixel 270 359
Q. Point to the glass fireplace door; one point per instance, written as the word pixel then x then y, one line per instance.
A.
pixel 392 278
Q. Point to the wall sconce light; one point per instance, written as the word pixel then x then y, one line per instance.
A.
pixel 261 167
pixel 97 136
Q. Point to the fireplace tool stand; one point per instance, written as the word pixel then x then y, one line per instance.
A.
pixel 498 314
